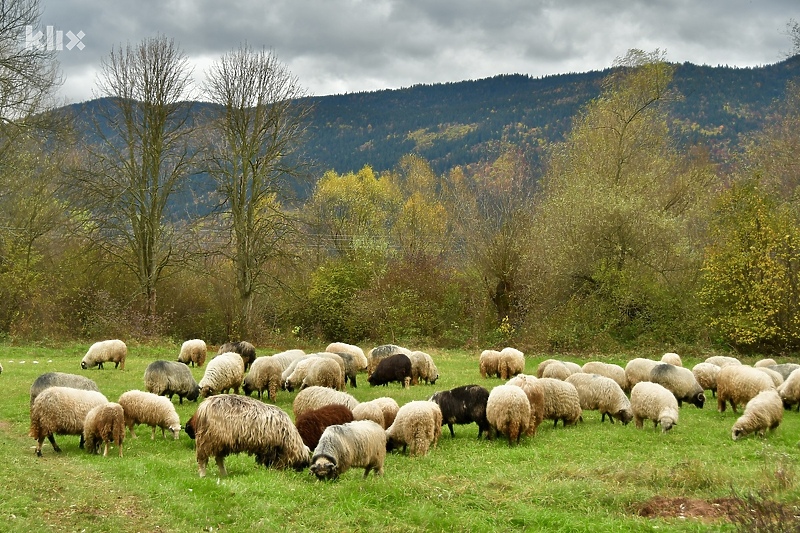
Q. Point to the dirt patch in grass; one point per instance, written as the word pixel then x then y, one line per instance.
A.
pixel 720 509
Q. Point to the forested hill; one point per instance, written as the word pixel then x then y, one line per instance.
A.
pixel 462 123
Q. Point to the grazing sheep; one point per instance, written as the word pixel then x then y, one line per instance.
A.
pixel 168 378
pixel 297 371
pixel 423 368
pixel 722 360
pixel 784 369
pixel 312 423
pixel 764 411
pixel 706 375
pixel 110 351
pixel 789 390
pixel 609 370
pixel 228 423
pixel 104 424
pixel 599 393
pixel 533 390
pixel 189 426
pixel 765 362
pixel 672 358
pixel 264 375
pixel 639 369
pixel 287 357
pixel 369 411
pixel 681 382
pixel 193 352
pixel 556 370
pixel 651 401
pixel 508 412
pixel 561 402
pixel 777 378
pixel 512 362
pixel 316 397
pixel 356 444
pixel 417 427
pixel 356 354
pixel 147 408
pixel 61 379
pixel 489 363
pixel 382 352
pixel 322 372
pixel 396 367
pixel 243 348
pixel 738 384
pixel 389 407
pixel 223 373
pixel 464 405
pixel 61 411
pixel 540 368
pixel 351 367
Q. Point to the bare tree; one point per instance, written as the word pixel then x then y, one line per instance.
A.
pixel 144 158
pixel 252 149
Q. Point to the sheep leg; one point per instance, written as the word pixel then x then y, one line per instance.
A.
pixel 366 470
pixel 221 465
pixel 105 449
pixel 153 434
pixel 201 465
pixel 80 445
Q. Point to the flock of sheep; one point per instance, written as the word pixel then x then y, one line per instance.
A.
pixel 333 432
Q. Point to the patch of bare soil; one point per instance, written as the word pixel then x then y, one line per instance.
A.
pixel 720 509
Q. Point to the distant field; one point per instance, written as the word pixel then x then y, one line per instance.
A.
pixel 593 477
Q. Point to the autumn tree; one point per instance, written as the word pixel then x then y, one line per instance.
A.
pixel 253 141
pixel 143 159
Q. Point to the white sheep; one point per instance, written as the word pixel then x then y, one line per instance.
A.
pixel 764 411
pixel 369 411
pixel 357 353
pixel 599 393
pixel 264 375
pixel 356 444
pixel 723 360
pixel 287 357
pixel 681 382
pixel 417 427
pixel 672 358
pixel 512 362
pixel 765 362
pixel 60 379
pixel 151 409
pixel 104 424
pixel 561 402
pixel 300 369
pixel 489 363
pixel 61 411
pixel 533 390
pixel 609 370
pixel 389 407
pixel 777 378
pixel 508 411
pixel 423 368
pixel 706 375
pixel 789 390
pixel 325 372
pixel 223 373
pixel 638 369
pixel 738 384
pixel 228 423
pixel 556 370
pixel 193 352
pixel 110 351
pixel 315 397
pixel 651 401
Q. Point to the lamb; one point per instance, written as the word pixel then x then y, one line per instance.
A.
pixel 738 384
pixel 223 373
pixel 168 378
pixel 396 367
pixel 464 405
pixel 243 348
pixel 312 423
pixel 784 369
pixel 561 402
pixel 382 352
pixel 417 427
pixel 512 362
pixel 423 368
pixel 508 412
pixel 609 370
pixel 110 351
pixel 264 375
pixel 104 424
pixel 706 375
pixel 533 390
pixel 489 363
pixel 316 397
pixel 789 390
pixel 639 369
pixel 765 362
pixel 599 393
pixel 62 411
pixel 229 423
pixel 326 373
pixel 681 382
pixel 722 360
pixel 356 444
pixel 672 358
pixel 651 401
pixel 147 408
pixel 764 411
pixel 60 379
pixel 193 352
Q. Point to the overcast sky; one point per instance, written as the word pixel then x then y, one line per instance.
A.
pixel 345 46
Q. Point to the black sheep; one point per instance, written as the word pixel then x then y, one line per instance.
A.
pixel 464 405
pixel 394 368
pixel 243 348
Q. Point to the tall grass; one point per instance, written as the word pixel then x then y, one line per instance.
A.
pixel 593 477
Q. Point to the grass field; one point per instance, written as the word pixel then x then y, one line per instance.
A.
pixel 592 477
